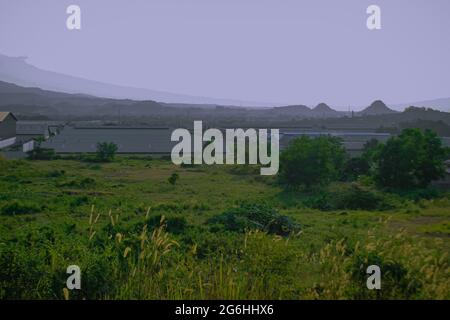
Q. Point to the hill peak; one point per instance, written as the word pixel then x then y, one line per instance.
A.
pixel 377 107
pixel 323 107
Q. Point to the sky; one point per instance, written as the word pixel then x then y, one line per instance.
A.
pixel 273 51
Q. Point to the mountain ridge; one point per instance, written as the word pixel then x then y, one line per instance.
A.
pixel 376 108
pixel 17 70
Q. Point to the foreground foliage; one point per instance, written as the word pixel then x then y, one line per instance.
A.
pixel 137 236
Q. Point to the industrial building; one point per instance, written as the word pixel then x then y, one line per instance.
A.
pixel 7 125
pixel 7 129
pixel 128 139
pixel 353 141
pixel 153 140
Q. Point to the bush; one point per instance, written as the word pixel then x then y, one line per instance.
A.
pixel 320 200
pixel 173 178
pixel 80 183
pixel 16 207
pixel 42 154
pixel 358 198
pixel 311 161
pixel 412 159
pixel 56 173
pixel 355 167
pixel 79 201
pixel 106 151
pixel 173 224
pixel 421 193
pixel 396 281
pixel 253 216
pixel 350 197
pixel 4 164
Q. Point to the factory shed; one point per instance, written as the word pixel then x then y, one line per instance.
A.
pixel 147 140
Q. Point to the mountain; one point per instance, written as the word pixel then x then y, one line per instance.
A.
pixel 30 100
pixel 292 110
pixel 442 104
pixel 37 104
pixel 323 110
pixel 377 107
pixel 17 70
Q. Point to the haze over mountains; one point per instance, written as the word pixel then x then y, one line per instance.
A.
pixel 37 104
pixel 32 101
pixel 16 70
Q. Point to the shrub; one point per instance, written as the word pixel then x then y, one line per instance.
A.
pixel 56 173
pixel 349 197
pixel 311 161
pixel 412 159
pixel 355 167
pixel 16 207
pixel 79 201
pixel 396 280
pixel 106 151
pixel 80 183
pixel 173 178
pixel 253 216
pixel 19 273
pixel 356 197
pixel 42 154
pixel 3 161
pixel 173 224
pixel 320 200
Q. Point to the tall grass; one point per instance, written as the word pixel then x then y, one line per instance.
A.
pixel 152 265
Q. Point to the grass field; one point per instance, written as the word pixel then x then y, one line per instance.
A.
pixel 137 236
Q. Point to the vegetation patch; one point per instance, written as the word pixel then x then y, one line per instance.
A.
pixel 16 208
pixel 254 216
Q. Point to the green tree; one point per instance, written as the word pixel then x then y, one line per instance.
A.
pixel 173 178
pixel 412 159
pixel 39 153
pixel 355 167
pixel 106 151
pixel 311 161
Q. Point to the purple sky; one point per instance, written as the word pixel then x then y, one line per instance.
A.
pixel 286 51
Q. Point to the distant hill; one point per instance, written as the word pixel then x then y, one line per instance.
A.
pixel 377 107
pixel 36 103
pixel 442 104
pixel 17 70
pixel 294 109
pixel 29 100
pixel 323 110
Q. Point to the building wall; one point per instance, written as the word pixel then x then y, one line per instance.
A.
pixel 4 143
pixel 8 128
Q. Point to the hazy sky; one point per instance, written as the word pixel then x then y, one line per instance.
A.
pixel 287 51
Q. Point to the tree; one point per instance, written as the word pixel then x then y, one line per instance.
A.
pixel 311 161
pixel 173 178
pixel 39 153
pixel 106 151
pixel 412 159
pixel 355 167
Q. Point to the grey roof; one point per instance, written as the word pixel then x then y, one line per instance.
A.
pixel 5 114
pixel 157 140
pixel 31 129
pixel 128 140
pixel 352 141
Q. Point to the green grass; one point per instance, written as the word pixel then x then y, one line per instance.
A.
pixel 48 220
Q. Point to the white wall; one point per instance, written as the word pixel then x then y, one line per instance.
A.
pixel 7 142
pixel 29 146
